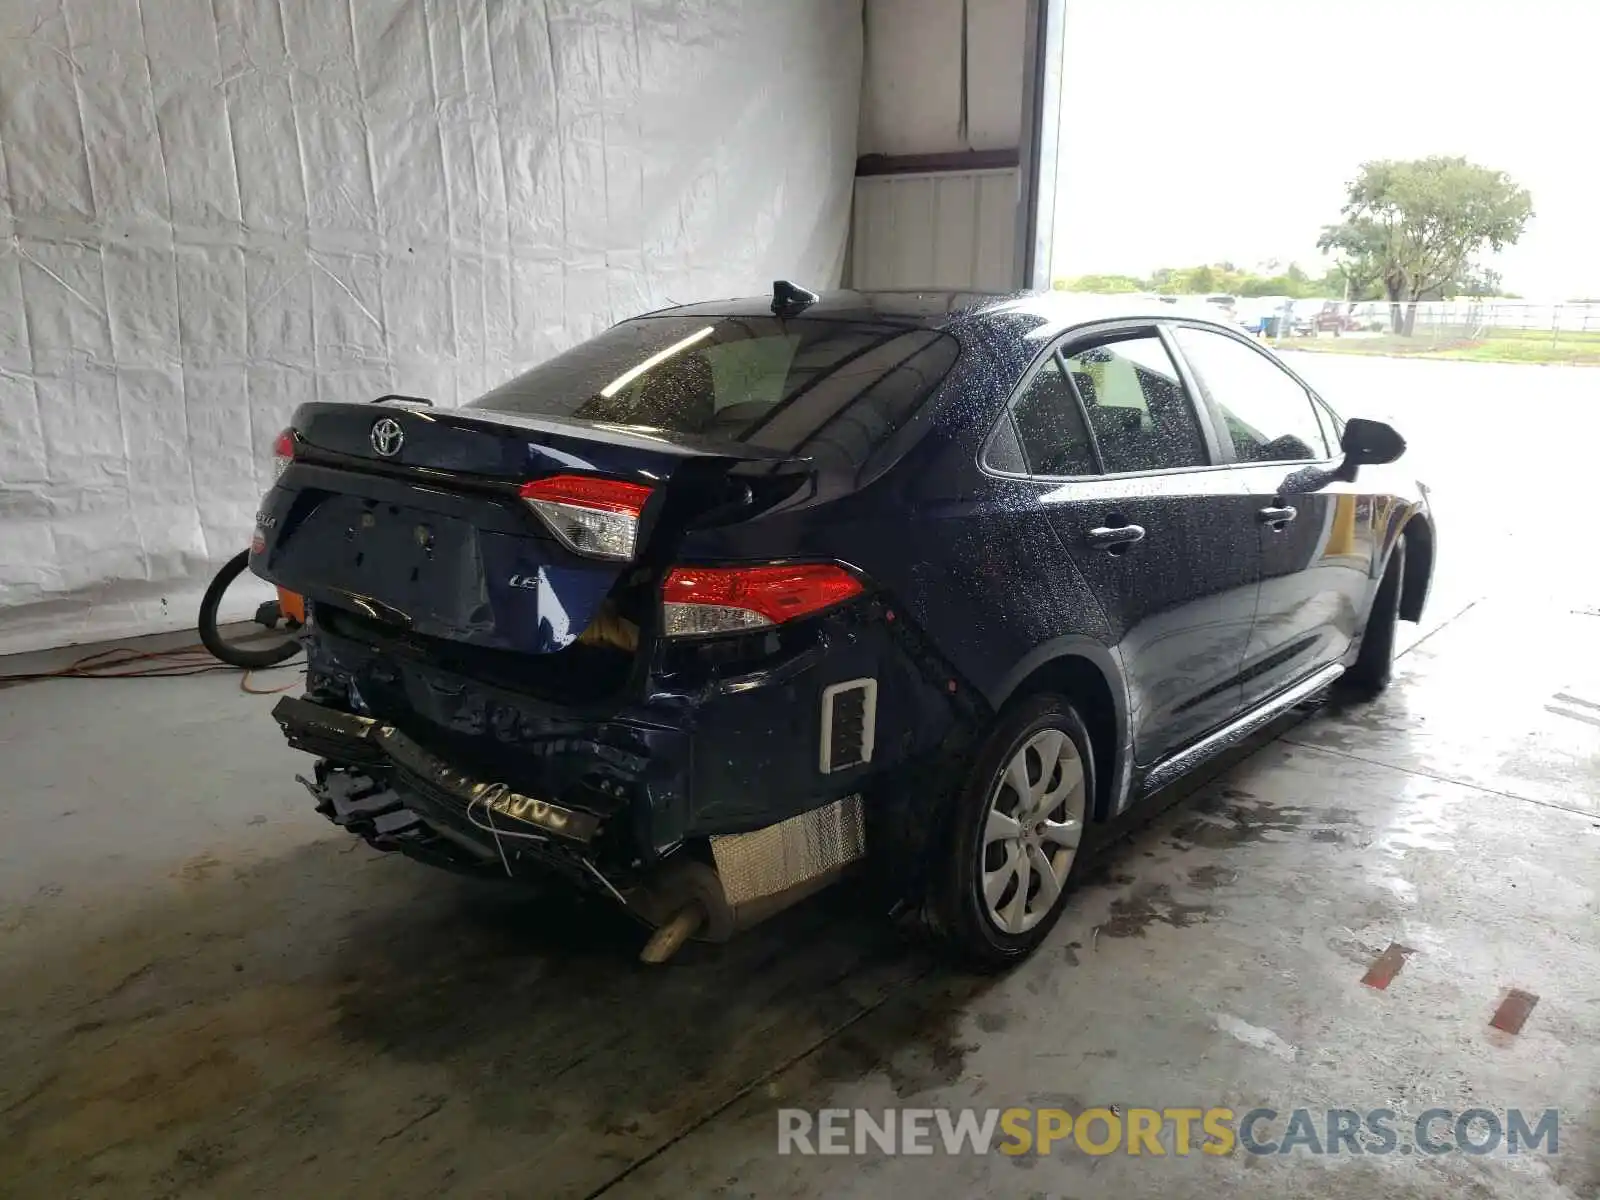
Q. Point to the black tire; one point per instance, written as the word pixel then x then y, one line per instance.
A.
pixel 954 911
pixel 237 656
pixel 1369 675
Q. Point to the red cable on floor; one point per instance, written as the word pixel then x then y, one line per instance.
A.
pixel 124 662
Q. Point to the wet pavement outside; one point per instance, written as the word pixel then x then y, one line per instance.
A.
pixel 207 991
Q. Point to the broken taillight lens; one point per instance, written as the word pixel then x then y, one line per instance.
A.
pixel 701 600
pixel 282 452
pixel 590 515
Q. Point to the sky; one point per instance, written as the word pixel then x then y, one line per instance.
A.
pixel 1220 130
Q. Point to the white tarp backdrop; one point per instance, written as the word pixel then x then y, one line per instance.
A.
pixel 212 210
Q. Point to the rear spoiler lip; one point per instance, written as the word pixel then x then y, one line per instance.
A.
pixel 505 487
pixel 743 457
pixel 312 455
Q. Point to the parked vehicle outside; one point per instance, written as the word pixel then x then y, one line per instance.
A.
pixel 1226 307
pixel 1313 317
pixel 1372 316
pixel 1253 313
pixel 736 597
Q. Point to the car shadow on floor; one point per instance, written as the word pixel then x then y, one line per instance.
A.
pixel 278 1020
pixel 288 1019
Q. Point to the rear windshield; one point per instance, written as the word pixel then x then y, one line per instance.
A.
pixel 784 384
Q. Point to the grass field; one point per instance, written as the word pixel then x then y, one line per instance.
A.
pixel 1570 346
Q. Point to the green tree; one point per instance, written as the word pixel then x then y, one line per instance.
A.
pixel 1476 281
pixel 1100 283
pixel 1214 278
pixel 1292 281
pixel 1349 281
pixel 1414 226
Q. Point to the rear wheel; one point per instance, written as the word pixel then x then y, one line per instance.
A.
pixel 1369 675
pixel 1016 827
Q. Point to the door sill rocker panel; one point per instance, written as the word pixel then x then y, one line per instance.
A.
pixel 1185 760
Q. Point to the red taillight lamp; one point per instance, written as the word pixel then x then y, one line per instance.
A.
pixel 705 600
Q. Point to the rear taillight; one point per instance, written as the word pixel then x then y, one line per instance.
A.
pixel 590 515
pixel 282 452
pixel 699 600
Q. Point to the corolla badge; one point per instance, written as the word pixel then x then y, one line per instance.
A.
pixel 387 436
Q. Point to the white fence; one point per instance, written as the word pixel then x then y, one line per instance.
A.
pixel 1425 322
pixel 1474 317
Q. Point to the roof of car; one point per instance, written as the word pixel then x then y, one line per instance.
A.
pixel 933 309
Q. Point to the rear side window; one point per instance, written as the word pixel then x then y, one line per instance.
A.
pixel 1268 413
pixel 783 384
pixel 1050 427
pixel 1140 414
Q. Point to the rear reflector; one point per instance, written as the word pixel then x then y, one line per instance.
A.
pixel 699 600
pixel 849 724
pixel 282 452
pixel 590 515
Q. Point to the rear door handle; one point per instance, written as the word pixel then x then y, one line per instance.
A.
pixel 1115 538
pixel 1277 517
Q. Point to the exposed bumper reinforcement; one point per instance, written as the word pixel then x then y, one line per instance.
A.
pixel 363 741
pixel 400 796
pixel 326 732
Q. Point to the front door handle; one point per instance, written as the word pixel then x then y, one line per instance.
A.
pixel 1277 516
pixel 1115 538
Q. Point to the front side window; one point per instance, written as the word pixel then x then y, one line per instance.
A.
pixel 1268 413
pixel 1332 425
pixel 1141 417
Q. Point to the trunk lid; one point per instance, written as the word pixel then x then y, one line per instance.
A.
pixel 413 518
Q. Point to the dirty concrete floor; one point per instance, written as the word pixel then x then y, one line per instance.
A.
pixel 206 991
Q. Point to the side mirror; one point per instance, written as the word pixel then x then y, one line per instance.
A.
pixel 1368 443
pixel 1365 443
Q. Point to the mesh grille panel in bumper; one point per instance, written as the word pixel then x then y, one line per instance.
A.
pixel 792 852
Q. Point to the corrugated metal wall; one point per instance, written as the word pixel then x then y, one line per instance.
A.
pixel 943 78
pixel 949 230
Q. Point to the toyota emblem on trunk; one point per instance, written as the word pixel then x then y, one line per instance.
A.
pixel 387 436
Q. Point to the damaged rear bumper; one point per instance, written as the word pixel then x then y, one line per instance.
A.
pixel 376 782
pixel 728 789
pixel 366 742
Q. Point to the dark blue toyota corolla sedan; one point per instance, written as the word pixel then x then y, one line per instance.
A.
pixel 710 609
